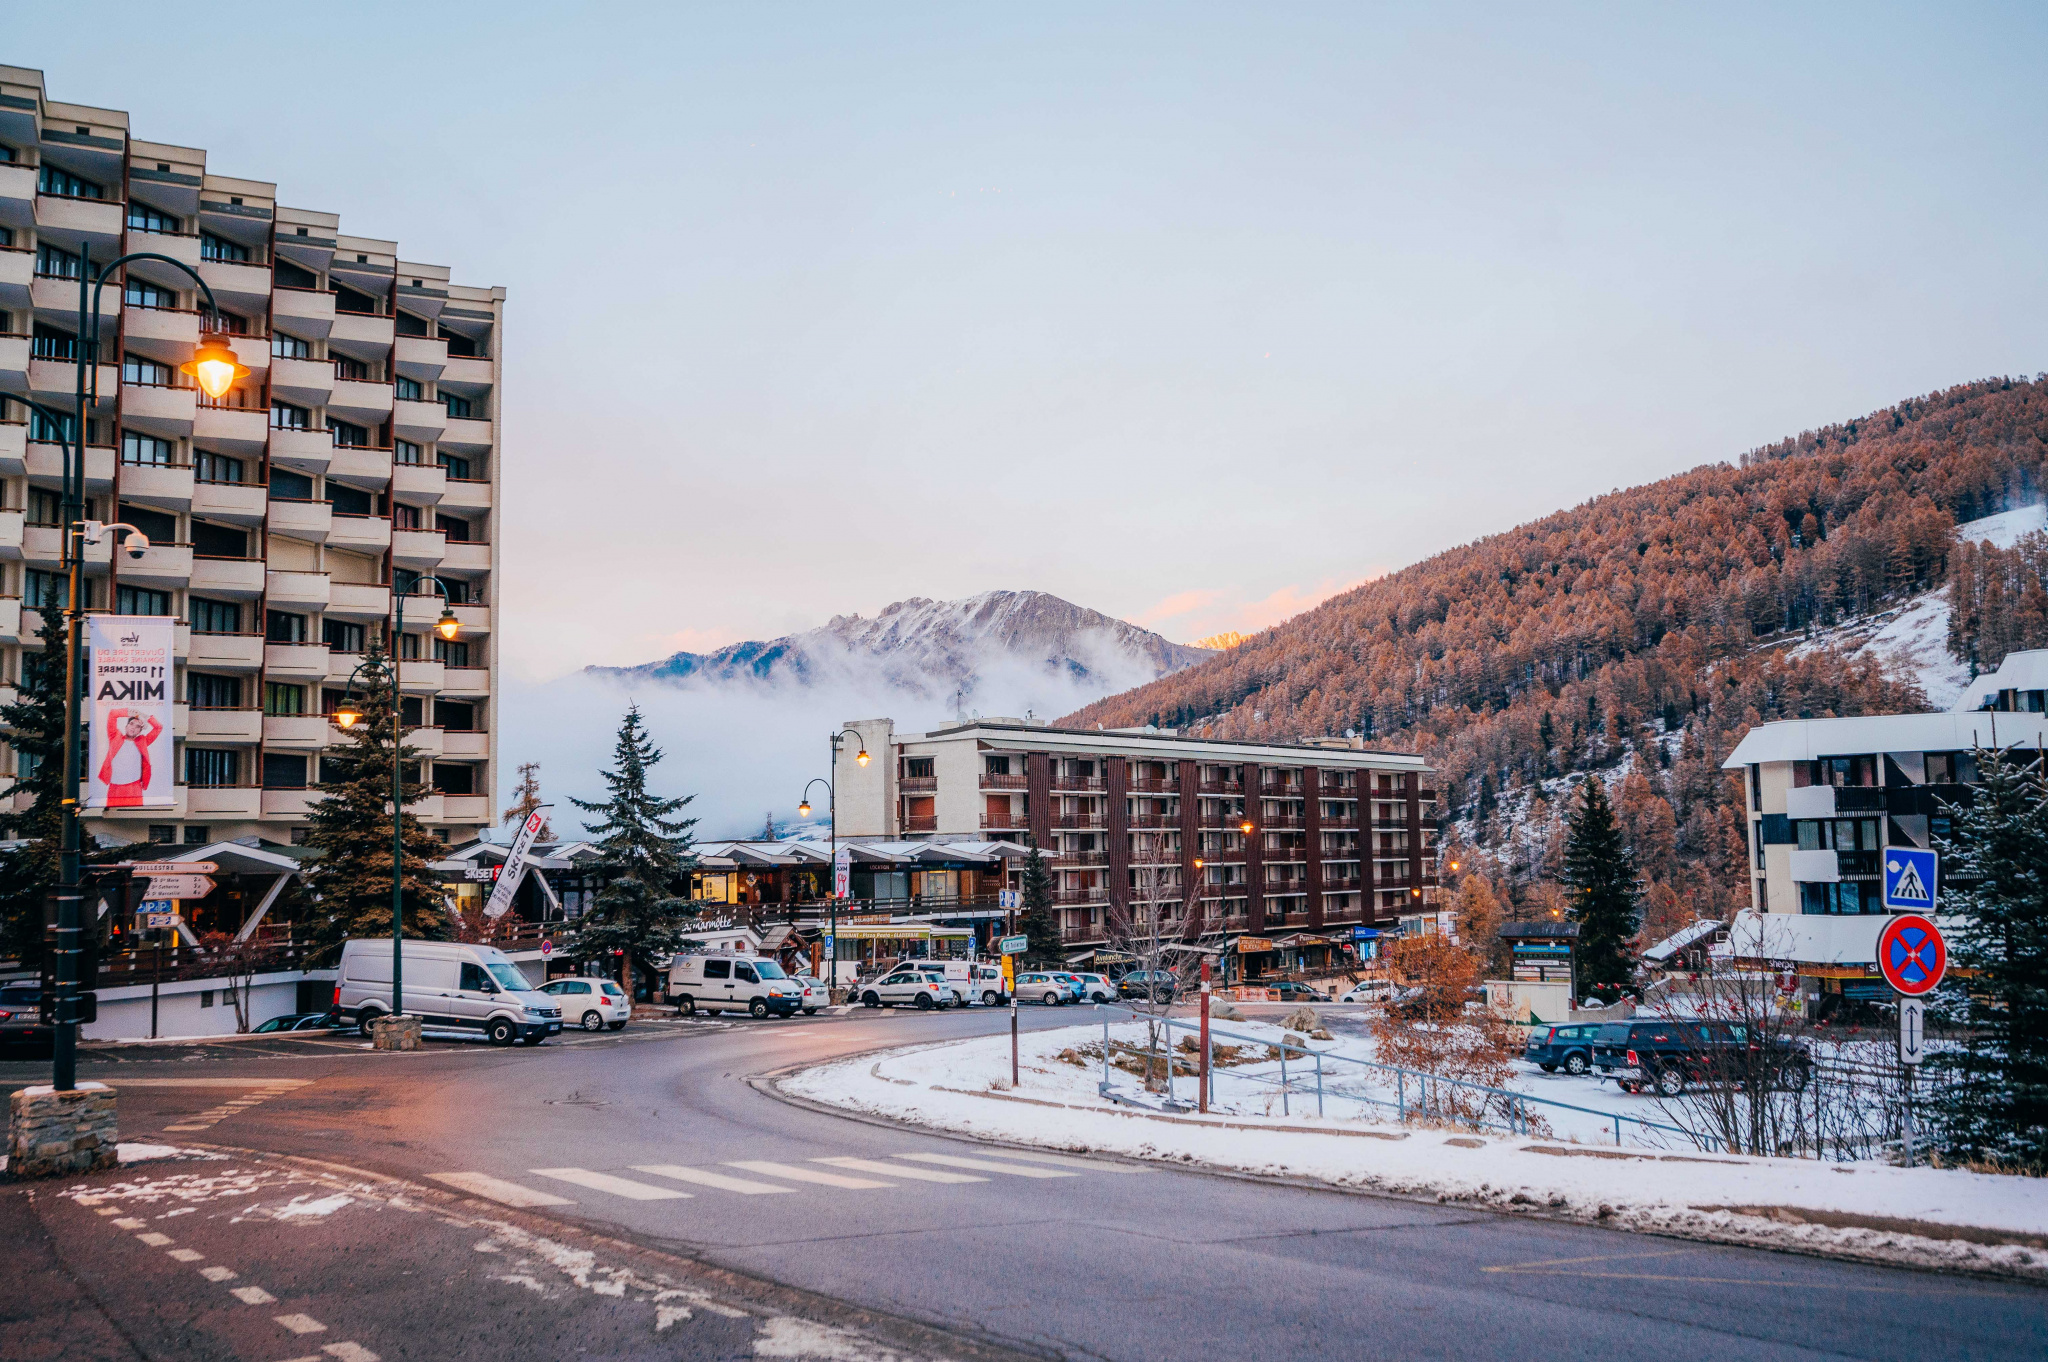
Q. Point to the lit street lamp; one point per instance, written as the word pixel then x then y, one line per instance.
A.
pixel 803 810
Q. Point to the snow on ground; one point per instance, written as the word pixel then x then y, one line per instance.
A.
pixel 2005 528
pixel 1910 639
pixel 1877 1212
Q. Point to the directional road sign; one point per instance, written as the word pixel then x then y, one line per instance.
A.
pixel 1009 898
pixel 1912 1029
pixel 179 886
pixel 1909 880
pixel 1911 954
pixel 1014 945
pixel 174 867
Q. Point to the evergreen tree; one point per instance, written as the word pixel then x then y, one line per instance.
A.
pixel 1994 1106
pixel 644 859
pixel 350 827
pixel 1037 920
pixel 525 799
pixel 1601 889
pixel 35 725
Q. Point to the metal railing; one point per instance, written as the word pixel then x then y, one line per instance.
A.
pixel 1416 1095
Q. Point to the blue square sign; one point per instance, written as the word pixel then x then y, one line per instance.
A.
pixel 1909 880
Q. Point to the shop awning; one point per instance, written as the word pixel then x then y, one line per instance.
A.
pixel 901 931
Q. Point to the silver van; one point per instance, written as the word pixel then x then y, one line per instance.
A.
pixel 447 984
pixel 719 981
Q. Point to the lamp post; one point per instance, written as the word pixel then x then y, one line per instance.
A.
pixel 346 716
pixel 215 369
pixel 803 810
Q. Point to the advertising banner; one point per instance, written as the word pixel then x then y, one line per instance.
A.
pixel 514 869
pixel 128 712
pixel 842 872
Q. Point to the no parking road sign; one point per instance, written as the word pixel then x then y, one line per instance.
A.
pixel 1909 880
pixel 1911 954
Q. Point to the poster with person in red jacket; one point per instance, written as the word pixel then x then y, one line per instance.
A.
pixel 128 712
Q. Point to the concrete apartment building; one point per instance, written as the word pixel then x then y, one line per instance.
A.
pixel 361 453
pixel 1338 835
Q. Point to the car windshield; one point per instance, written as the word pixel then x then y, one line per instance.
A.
pixel 768 969
pixel 508 977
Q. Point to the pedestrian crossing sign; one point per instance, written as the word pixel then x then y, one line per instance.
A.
pixel 1909 880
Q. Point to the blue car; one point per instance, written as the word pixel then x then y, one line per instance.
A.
pixel 1041 986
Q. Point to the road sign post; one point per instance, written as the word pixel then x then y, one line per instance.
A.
pixel 1912 957
pixel 1014 945
pixel 1912 1024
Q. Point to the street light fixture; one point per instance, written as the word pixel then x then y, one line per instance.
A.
pixel 803 809
pixel 214 367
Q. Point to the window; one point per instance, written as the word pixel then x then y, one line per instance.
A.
pixel 344 367
pixel 295 276
pixel 456 530
pixel 205 691
pixel 140 600
pixel 451 652
pixel 147 372
pixel 212 247
pixel 1849 898
pixel 164 833
pixel 51 343
pixel 284 771
pixel 405 451
pixel 161 528
pixel 56 262
pixel 218 541
pixel 290 347
pixel 409 647
pixel 408 390
pixel 347 299
pixel 210 467
pixel 143 218
pixel 280 626
pixel 350 500
pixel 210 766
pixel 342 637
pixel 455 779
pixel 459 344
pixel 405 517
pixel 146 449
pixel 43 590
pixel 290 486
pixel 285 416
pixel 281 698
pixel 409 325
pixel 918 768
pixel 455 716
pixel 347 435
pixel 457 589
pixel 458 468
pixel 474 980
pixel 457 406
pixel 214 617
pixel 233 324
pixel 718 969
pixel 53 180
pixel 142 293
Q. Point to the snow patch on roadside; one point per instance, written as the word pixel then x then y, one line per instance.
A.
pixel 799 1338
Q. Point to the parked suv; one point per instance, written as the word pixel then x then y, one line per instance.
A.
pixel 1156 984
pixel 922 988
pixel 1673 1055
pixel 1562 1047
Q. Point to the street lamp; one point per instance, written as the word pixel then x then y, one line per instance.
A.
pixel 215 368
pixel 803 810
pixel 347 715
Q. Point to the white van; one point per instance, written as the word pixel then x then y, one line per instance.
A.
pixel 720 981
pixel 447 983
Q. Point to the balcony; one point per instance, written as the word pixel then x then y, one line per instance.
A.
pixel 1004 782
pixel 13 449
pixel 167 486
pixel 361 533
pixel 17 194
pixel 365 467
pixel 43 547
pixel 292 804
pixel 217 727
pixel 419 484
pixel 44 464
pixel 164 566
pixel 296 732
pixel 364 330
pixel 923 822
pixel 420 357
pixel 99 219
pixel 1005 823
pixel 166 334
pixel 428 742
pixel 472 372
pixel 305 590
pixel 239 579
pixel 1154 785
pixel 15 353
pixel 358 600
pixel 419 676
pixel 472 683
pixel 10 623
pixel 458 808
pixel 306 451
pixel 222 801
pixel 918 784
pixel 1076 783
pixel 420 550
pixel 305 312
pixel 302 382
pixel 295 661
pixel 54 382
pixel 307 520
pixel 241 285
pixel 238 503
pixel 12 528
pixel 419 421
pixel 241 653
pixel 361 401
pixel 241 431
pixel 1221 787
pixel 464 435
pixel 465 743
pixel 58 297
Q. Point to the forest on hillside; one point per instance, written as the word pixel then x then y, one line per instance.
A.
pixel 1639 634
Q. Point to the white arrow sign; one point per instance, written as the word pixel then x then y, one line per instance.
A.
pixel 174 867
pixel 180 886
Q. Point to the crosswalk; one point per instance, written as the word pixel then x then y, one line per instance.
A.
pixel 770 1177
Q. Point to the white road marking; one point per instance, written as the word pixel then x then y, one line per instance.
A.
pixel 607 1182
pixel 154 1240
pixel 497 1189
pixel 219 1274
pixel 723 1181
pixel 282 1084
pixel 797 1174
pixel 1015 1170
pixel 252 1295
pixel 892 1170
pixel 186 1255
pixel 301 1324
pixel 1065 1161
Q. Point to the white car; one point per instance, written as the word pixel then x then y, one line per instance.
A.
pixel 1096 988
pixel 816 995
pixel 920 988
pixel 1370 991
pixel 592 1004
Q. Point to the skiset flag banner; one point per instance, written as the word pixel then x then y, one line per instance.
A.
pixel 128 712
pixel 514 869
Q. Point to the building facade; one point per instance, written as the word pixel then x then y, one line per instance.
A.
pixel 1224 837
pixel 360 455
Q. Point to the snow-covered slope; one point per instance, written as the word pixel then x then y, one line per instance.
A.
pixel 941 650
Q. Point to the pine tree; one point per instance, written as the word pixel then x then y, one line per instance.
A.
pixel 35 726
pixel 1995 1105
pixel 525 799
pixel 350 827
pixel 1601 889
pixel 1037 920
pixel 644 859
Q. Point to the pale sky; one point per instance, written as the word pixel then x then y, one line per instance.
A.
pixel 1190 314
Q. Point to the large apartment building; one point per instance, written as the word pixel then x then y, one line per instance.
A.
pixel 1305 836
pixel 359 455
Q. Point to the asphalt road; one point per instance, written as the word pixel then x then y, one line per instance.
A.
pixel 655 1138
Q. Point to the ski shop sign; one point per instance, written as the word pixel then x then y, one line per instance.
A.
pixel 128 712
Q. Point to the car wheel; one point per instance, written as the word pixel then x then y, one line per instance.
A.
pixel 871 999
pixel 593 1022
pixel 810 1012
pixel 616 1026
pixel 1575 1065
pixel 758 1008
pixel 1548 1068
pixel 1052 1000
pixel 988 999
pixel 686 1007
pixel 364 1018
pixel 924 1002
pixel 1670 1082
pixel 501 1031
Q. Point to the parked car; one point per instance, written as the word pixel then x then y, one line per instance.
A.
pixel 1370 991
pixel 447 983
pixel 1672 1055
pixel 720 981
pixel 1156 984
pixel 1051 989
pixel 910 983
pixel 988 985
pixel 816 995
pixel 1569 1048
pixel 21 1016
pixel 1291 992
pixel 304 1021
pixel 592 1004
pixel 1095 988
